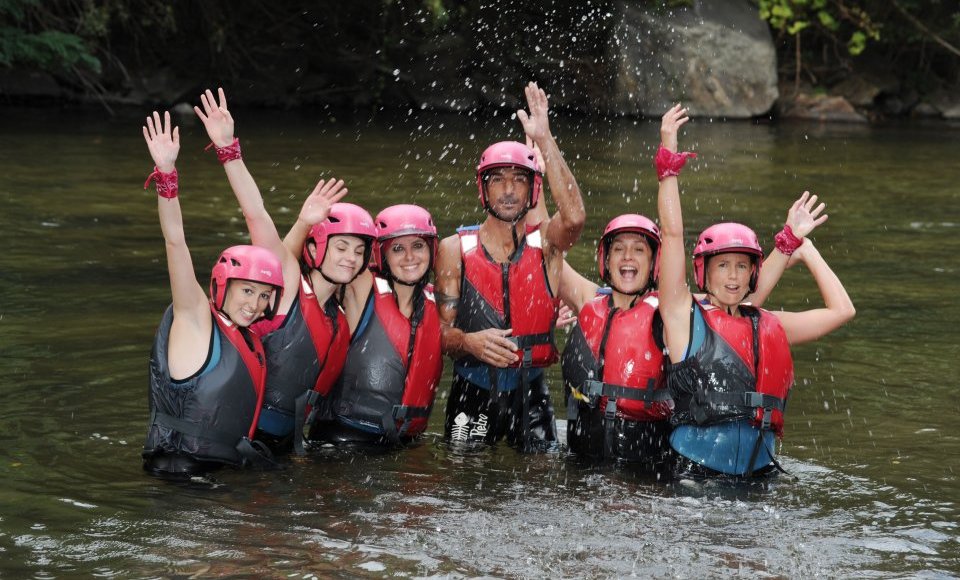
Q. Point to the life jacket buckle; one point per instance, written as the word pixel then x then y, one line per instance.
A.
pixel 610 412
pixel 527 357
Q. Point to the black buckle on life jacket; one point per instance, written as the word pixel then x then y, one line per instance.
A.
pixel 593 390
pixel 610 412
pixel 527 358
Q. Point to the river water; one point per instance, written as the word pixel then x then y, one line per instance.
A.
pixel 872 444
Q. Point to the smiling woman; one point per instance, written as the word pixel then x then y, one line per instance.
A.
pixel 203 354
pixel 385 393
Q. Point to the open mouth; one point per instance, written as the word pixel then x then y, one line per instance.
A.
pixel 628 273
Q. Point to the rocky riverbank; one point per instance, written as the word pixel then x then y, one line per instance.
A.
pixel 719 58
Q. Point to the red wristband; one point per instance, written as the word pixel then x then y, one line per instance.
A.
pixel 669 163
pixel 228 153
pixel 786 242
pixel 167 183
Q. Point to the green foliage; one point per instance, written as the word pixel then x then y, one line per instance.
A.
pixel 30 37
pixel 829 18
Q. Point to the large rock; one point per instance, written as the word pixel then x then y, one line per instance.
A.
pixel 717 57
pixel 817 107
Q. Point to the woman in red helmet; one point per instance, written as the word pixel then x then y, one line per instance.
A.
pixel 206 369
pixel 730 367
pixel 327 248
pixel 387 387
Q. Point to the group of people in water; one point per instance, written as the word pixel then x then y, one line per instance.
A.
pixel 334 333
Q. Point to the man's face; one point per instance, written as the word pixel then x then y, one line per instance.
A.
pixel 508 191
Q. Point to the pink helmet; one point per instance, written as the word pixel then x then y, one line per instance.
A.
pixel 510 154
pixel 345 219
pixel 246 263
pixel 630 222
pixel 403 220
pixel 722 238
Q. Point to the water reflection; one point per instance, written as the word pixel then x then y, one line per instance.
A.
pixel 870 431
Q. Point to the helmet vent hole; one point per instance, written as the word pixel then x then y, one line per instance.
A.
pixel 708 240
pixel 333 219
pixel 234 263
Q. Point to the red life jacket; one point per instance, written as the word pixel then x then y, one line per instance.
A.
pixel 304 357
pixel 390 379
pixel 618 348
pixel 331 339
pixel 209 417
pixel 743 369
pixel 515 295
pixel 422 359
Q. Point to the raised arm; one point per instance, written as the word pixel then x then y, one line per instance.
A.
pixel 575 289
pixel 802 218
pixel 189 300
pixel 219 124
pixel 838 308
pixel 675 297
pixel 564 228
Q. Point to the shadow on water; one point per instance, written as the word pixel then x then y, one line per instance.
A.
pixel 870 438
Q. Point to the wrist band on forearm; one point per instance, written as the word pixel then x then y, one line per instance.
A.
pixel 786 242
pixel 668 163
pixel 228 153
pixel 167 183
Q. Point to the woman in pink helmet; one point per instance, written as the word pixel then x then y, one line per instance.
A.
pixel 326 249
pixel 207 369
pixel 387 387
pixel 730 366
pixel 617 402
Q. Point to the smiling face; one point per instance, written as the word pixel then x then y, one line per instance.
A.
pixel 508 191
pixel 344 258
pixel 728 278
pixel 408 258
pixel 245 301
pixel 628 263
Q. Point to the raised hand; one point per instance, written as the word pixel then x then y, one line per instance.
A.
pixel 535 124
pixel 670 125
pixel 317 206
pixel 216 118
pixel 805 215
pixel 162 140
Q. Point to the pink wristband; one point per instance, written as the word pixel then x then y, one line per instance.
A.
pixel 669 163
pixel 167 183
pixel 786 242
pixel 228 153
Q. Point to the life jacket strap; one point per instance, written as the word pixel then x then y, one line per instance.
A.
pixel 748 399
pixel 595 389
pixel 525 341
pixel 402 413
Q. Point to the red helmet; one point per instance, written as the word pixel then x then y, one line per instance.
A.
pixel 251 263
pixel 403 220
pixel 510 154
pixel 345 219
pixel 630 222
pixel 723 238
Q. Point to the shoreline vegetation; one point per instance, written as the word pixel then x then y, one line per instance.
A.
pixel 826 60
